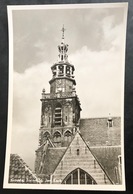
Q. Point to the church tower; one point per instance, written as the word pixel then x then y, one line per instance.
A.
pixel 60 111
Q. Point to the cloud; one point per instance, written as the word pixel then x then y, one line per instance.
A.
pixel 99 79
pixel 37 32
pixel 27 90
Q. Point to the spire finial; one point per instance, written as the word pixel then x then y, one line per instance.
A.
pixel 110 116
pixel 63 30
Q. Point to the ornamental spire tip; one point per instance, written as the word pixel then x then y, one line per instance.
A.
pixel 63 30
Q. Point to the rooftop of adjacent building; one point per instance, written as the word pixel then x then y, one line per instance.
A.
pixel 19 171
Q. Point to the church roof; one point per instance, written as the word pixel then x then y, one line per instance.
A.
pixel 96 132
pixel 54 156
pixel 108 158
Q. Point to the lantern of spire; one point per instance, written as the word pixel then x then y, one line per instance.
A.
pixel 63 69
pixel 63 48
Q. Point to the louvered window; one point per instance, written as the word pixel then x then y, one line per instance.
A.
pixel 58 115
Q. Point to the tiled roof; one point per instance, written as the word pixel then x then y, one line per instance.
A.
pixel 52 159
pixel 108 157
pixel 19 172
pixel 96 132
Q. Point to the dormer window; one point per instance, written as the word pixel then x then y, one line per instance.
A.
pixel 110 122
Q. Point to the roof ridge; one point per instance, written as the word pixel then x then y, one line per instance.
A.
pixel 99 117
pixel 105 146
pixel 57 148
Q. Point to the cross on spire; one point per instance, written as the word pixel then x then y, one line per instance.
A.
pixel 63 30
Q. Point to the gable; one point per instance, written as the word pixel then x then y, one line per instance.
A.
pixel 78 155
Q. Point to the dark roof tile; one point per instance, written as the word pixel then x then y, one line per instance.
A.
pixel 108 157
pixel 19 172
pixel 96 132
pixel 52 159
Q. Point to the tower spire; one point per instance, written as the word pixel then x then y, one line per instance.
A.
pixel 63 48
pixel 63 30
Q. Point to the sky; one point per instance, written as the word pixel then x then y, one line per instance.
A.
pixel 95 38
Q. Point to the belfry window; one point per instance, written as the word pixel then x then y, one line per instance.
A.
pixel 68 71
pixel 62 57
pixel 58 115
pixel 61 69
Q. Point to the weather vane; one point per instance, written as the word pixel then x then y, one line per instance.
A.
pixel 63 30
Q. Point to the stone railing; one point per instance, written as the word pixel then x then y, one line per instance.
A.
pixel 58 95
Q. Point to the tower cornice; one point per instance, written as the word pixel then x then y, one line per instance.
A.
pixel 57 78
pixel 62 63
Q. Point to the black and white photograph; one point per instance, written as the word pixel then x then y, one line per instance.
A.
pixel 66 97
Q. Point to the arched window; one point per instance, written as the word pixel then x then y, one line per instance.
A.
pixel 57 137
pixel 61 70
pixel 68 136
pixel 58 115
pixel 78 176
pixel 46 135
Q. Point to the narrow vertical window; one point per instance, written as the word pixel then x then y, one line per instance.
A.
pixel 57 137
pixel 77 152
pixel 68 136
pixel 110 122
pixel 58 115
pixel 119 159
